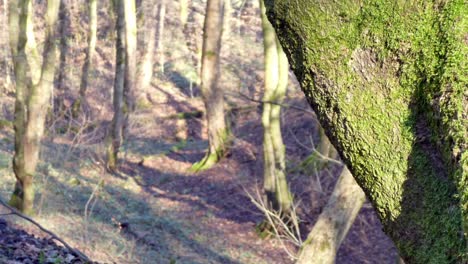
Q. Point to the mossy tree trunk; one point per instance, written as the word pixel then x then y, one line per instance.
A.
pixel 125 78
pixel 32 99
pixel 212 93
pixel 277 194
pixel 388 83
pixel 334 222
pixel 114 136
pixel 87 66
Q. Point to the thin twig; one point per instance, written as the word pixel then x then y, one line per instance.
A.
pixel 14 211
pixel 248 98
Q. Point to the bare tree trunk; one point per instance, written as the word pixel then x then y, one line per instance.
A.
pixel 145 69
pixel 277 194
pixel 115 135
pixel 31 99
pixel 130 55
pixel 62 74
pixel 334 222
pixel 160 38
pixel 34 59
pixel 87 66
pixel 218 132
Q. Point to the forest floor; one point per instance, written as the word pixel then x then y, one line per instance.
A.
pixel 154 210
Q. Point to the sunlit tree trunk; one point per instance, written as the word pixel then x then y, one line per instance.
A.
pixel 31 99
pixel 34 59
pixel 115 134
pixel 160 37
pixel 145 69
pixel 276 187
pixel 388 84
pixel 130 53
pixel 87 66
pixel 334 222
pixel 212 93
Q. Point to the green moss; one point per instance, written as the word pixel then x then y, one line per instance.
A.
pixel 387 80
pixel 212 157
pixel 5 124
pixel 207 162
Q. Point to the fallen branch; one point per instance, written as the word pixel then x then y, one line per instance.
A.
pixel 14 211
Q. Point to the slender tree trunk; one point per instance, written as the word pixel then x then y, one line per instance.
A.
pixel 160 38
pixel 277 193
pixel 334 222
pixel 388 84
pixel 17 17
pixel 191 30
pixel 130 53
pixel 32 100
pixel 87 66
pixel 64 27
pixel 34 59
pixel 115 135
pixel 212 93
pixel 145 70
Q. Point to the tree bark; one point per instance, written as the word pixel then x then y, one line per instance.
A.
pixel 218 132
pixel 64 28
pixel 87 66
pixel 31 99
pixel 34 59
pixel 388 83
pixel 334 222
pixel 277 194
pixel 145 69
pixel 130 54
pixel 114 136
pixel 160 38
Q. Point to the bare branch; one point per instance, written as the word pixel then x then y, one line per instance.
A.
pixel 14 211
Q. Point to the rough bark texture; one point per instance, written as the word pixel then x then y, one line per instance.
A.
pixel 274 160
pixel 32 99
pixel 212 93
pixel 115 134
pixel 388 81
pixel 334 222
